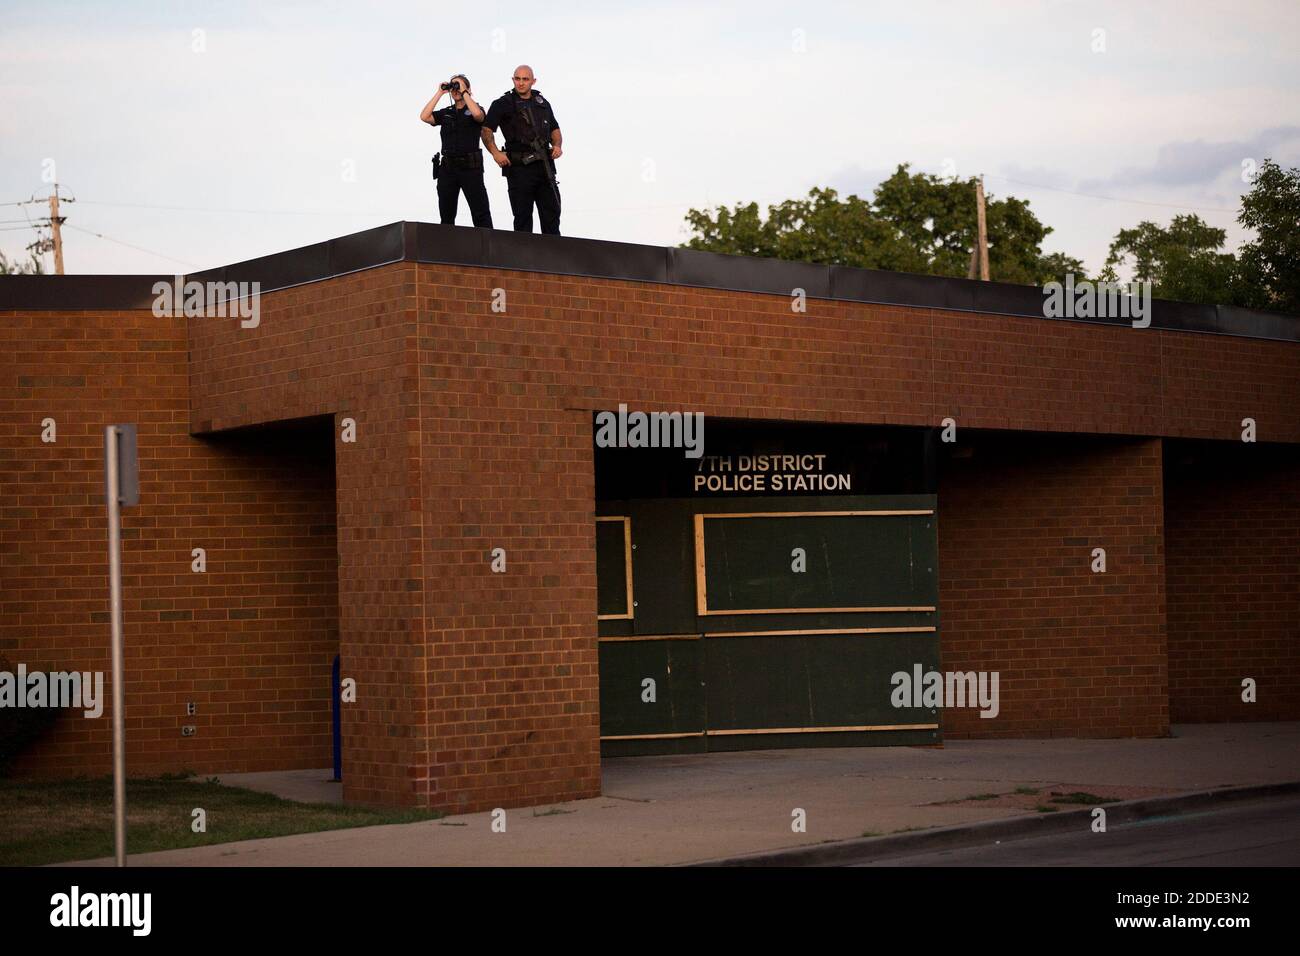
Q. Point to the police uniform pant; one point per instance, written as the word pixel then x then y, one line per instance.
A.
pixel 451 181
pixel 528 185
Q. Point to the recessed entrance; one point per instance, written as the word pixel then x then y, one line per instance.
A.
pixel 731 621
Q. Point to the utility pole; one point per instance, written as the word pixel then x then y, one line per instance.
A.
pixel 43 244
pixel 979 255
pixel 56 221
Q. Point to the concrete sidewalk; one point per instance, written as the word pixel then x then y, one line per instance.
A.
pixel 666 810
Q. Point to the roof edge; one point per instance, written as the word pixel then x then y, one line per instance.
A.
pixel 564 255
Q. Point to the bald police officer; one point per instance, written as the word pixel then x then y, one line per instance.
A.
pixel 533 142
pixel 462 159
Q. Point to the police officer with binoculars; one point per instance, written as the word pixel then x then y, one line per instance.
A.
pixel 459 167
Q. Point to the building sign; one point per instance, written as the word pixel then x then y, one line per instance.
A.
pixel 769 459
pixel 769 474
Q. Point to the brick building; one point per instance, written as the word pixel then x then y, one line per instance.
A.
pixel 469 365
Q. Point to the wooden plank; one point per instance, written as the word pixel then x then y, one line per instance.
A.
pixel 701 592
pixel 775 730
pixel 741 612
pixel 652 637
pixel 822 630
pixel 819 730
pixel 810 514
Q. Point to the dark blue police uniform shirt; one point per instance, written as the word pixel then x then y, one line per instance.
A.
pixel 459 128
pixel 501 115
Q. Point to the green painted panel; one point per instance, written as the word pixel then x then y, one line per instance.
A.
pixel 850 561
pixel 648 748
pixel 756 682
pixel 617 627
pixel 611 568
pixel 824 680
pixel 679 696
pixel 771 681
pixel 663 566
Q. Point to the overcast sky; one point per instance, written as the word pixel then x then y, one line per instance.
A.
pixel 266 126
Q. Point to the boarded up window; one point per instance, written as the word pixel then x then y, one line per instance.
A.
pixel 613 568
pixel 855 561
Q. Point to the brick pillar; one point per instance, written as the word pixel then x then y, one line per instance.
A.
pixel 1233 517
pixel 1079 654
pixel 381 606
pixel 512 681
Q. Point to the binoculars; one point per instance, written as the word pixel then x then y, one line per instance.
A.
pixel 457 86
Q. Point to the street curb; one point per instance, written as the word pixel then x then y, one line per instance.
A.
pixel 1014 828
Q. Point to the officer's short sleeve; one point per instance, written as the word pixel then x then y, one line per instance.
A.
pixel 435 119
pixel 493 119
pixel 555 124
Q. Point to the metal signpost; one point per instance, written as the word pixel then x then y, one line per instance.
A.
pixel 121 487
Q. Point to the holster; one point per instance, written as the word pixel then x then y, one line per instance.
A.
pixel 437 164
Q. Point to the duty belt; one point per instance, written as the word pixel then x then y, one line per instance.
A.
pixel 524 158
pixel 472 160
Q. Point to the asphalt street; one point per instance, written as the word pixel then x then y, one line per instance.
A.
pixel 1264 833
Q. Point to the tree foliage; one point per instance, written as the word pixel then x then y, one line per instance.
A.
pixel 916 222
pixel 31 267
pixel 1181 261
pixel 1270 264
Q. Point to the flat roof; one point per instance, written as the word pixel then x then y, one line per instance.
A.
pixel 571 256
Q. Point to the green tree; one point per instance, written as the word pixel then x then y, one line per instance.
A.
pixel 821 228
pixel 1181 261
pixel 937 218
pixel 1269 275
pixel 1057 265
pixel 32 267
pixel 916 222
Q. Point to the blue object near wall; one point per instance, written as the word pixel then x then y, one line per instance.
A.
pixel 336 683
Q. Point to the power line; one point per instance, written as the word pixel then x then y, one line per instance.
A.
pixel 1137 202
pixel 255 212
pixel 162 255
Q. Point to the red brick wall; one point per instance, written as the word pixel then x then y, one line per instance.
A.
pixel 1232 520
pixel 1079 654
pixel 249 641
pixel 347 348
pixel 473 432
pixel 747 355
